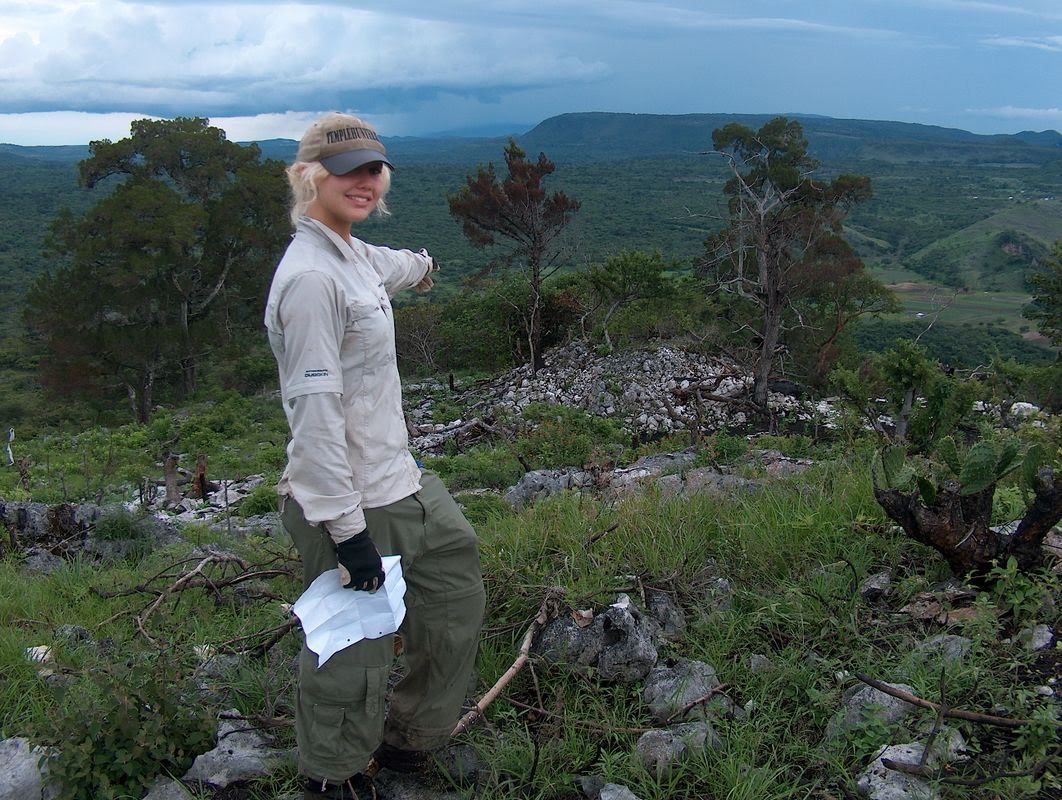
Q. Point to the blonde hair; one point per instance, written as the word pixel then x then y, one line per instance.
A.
pixel 305 176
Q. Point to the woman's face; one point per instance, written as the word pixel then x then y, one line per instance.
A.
pixel 345 199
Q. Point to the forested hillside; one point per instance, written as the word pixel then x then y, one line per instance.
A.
pixel 953 214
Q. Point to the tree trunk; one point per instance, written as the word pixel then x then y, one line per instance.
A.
pixel 772 331
pixel 173 497
pixel 957 525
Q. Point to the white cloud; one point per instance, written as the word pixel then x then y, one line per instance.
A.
pixel 256 58
pixel 64 127
pixel 1050 43
pixel 1041 9
pixel 1052 115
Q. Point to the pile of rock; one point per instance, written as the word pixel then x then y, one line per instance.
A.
pixel 648 391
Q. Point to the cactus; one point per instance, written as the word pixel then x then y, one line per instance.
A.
pixel 983 466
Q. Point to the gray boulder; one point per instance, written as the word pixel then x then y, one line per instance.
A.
pixel 613 791
pixel 675 683
pixel 20 773
pixel 876 586
pixel 240 755
pixel 168 789
pixel 660 750
pixel 1038 637
pixel 864 703
pixel 627 650
pixel 948 647
pixel 619 642
pixel 878 782
pixel 668 614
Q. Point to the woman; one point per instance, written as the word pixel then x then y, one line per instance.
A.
pixel 351 490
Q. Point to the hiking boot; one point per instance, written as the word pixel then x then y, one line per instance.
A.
pixel 454 766
pixel 356 787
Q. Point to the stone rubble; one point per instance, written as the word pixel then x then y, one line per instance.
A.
pixel 633 387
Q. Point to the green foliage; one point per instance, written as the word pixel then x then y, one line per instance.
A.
pixel 789 226
pixel 262 500
pixel 159 269
pixel 1046 306
pixel 564 436
pixel 478 467
pixel 143 718
pixel 924 402
pixel 1015 591
pixel 118 526
pixel 517 211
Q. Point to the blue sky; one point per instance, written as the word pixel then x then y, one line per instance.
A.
pixel 72 71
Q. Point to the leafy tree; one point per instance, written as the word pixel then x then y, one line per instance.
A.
pixel 923 402
pixel 631 275
pixel 518 208
pixel 172 262
pixel 1046 306
pixel 783 231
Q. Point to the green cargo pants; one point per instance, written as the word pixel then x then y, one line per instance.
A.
pixel 339 711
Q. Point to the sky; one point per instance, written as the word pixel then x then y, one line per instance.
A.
pixel 73 71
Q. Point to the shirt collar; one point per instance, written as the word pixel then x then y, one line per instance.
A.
pixel 318 229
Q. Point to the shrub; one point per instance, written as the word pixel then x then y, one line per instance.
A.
pixel 261 500
pixel 139 720
pixel 564 436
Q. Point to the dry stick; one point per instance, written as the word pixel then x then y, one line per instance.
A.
pixel 956 713
pixel 589 726
pixel 179 584
pixel 525 651
pixel 690 706
pixel 277 634
pixel 598 536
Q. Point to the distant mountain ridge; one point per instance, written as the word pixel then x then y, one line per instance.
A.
pixel 604 136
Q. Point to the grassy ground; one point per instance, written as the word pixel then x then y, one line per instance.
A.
pixel 793 552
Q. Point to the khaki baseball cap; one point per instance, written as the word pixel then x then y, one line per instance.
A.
pixel 342 143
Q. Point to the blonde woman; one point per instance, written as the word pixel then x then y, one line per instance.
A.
pixel 351 489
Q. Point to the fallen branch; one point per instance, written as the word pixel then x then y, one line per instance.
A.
pixel 579 723
pixel 693 704
pixel 955 713
pixel 544 613
pixel 275 635
pixel 183 583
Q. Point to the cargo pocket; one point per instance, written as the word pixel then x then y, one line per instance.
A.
pixel 326 732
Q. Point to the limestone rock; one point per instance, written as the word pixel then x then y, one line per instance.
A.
pixel 862 703
pixel 20 774
pixel 1038 637
pixel 948 646
pixel 876 586
pixel 878 782
pixel 627 650
pixel 676 682
pixel 667 613
pixel 240 755
pixel 660 750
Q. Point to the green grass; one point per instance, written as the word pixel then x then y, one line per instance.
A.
pixel 794 553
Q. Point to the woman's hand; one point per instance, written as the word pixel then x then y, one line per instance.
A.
pixel 360 559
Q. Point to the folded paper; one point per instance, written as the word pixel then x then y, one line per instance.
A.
pixel 334 618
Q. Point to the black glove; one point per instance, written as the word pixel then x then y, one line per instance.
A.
pixel 362 560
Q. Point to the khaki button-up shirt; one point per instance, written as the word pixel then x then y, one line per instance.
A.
pixel 331 329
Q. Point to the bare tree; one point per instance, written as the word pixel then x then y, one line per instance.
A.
pixel 517 208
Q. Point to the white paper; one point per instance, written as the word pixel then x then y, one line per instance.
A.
pixel 334 618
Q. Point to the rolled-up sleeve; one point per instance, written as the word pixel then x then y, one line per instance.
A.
pixel 399 269
pixel 311 315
